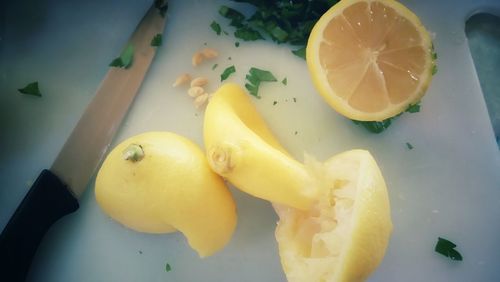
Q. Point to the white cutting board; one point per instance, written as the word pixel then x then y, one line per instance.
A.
pixel 448 185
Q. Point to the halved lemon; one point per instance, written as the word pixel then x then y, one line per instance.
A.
pixel 370 59
pixel 343 237
pixel 160 182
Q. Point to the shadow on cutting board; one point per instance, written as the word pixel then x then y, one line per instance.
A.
pixel 483 34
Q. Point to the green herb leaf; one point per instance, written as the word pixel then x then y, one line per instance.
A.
pixel 253 90
pixel 283 21
pixel 246 33
pixel 125 59
pixel 284 81
pixel 236 17
pixel 255 76
pixel 409 146
pixel 434 69
pixel 236 44
pixel 278 34
pixel 157 40
pixel 374 126
pixel 300 53
pixel 215 66
pixel 447 249
pixel 275 102
pixel 31 89
pixel 262 75
pixel 168 267
pixel 227 72
pixel 413 108
pixel 216 27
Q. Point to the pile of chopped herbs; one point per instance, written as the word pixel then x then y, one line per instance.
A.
pixel 282 21
pixel 289 21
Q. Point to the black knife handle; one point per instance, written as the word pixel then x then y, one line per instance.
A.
pixel 47 201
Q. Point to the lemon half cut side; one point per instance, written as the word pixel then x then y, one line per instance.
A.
pixel 370 59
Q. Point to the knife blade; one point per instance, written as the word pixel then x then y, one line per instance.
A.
pixel 56 191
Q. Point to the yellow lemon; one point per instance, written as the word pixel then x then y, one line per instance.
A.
pixel 158 182
pixel 241 148
pixel 370 59
pixel 344 235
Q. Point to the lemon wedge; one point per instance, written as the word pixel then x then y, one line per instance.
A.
pixel 241 148
pixel 343 237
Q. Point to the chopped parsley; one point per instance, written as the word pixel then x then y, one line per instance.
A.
pixel 227 72
pixel 216 27
pixel 379 126
pixel 301 53
pixel 447 249
pixel 125 59
pixel 236 44
pixel 157 40
pixel 215 66
pixel 434 69
pixel 31 89
pixel 284 81
pixel 168 267
pixel 409 146
pixel 413 108
pixel 375 126
pixel 247 34
pixel 434 57
pixel 275 102
pixel 282 21
pixel 255 76
pixel 236 17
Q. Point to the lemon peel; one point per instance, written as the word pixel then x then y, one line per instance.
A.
pixel 164 185
pixel 241 148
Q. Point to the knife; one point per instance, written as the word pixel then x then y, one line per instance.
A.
pixel 56 191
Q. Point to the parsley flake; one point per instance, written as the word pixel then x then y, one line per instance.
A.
pixel 236 44
pixel 375 126
pixel 301 53
pixel 247 34
pixel 216 27
pixel 125 59
pixel 434 69
pixel 236 17
pixel 168 267
pixel 227 72
pixel 413 108
pixel 255 76
pixel 157 40
pixel 215 66
pixel 447 249
pixel 284 81
pixel 275 102
pixel 409 146
pixel 31 89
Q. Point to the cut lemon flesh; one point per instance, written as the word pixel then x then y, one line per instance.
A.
pixel 370 59
pixel 343 237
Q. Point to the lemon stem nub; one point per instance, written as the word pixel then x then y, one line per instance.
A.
pixel 222 159
pixel 133 153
